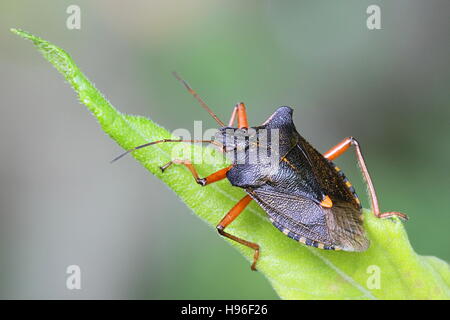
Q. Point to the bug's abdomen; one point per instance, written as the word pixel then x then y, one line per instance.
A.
pixel 299 238
pixel 347 183
pixel 301 219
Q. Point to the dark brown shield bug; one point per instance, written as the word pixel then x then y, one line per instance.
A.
pixel 306 196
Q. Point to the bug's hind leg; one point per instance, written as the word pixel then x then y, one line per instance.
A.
pixel 229 217
pixel 342 147
pixel 214 177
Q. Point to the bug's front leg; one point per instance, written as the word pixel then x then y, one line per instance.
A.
pixel 232 214
pixel 342 147
pixel 229 217
pixel 214 177
pixel 240 113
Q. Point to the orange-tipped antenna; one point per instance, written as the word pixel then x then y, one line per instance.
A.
pixel 197 97
pixel 160 141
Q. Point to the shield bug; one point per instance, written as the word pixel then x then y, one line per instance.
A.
pixel 305 195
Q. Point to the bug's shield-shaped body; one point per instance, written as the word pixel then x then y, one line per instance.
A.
pixel 296 193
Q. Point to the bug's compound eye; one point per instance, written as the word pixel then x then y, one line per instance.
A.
pixel 241 131
pixel 229 147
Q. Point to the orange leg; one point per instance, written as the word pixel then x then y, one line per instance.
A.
pixel 342 147
pixel 232 214
pixel 214 177
pixel 229 217
pixel 241 114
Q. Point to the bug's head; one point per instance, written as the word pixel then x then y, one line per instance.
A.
pixel 235 139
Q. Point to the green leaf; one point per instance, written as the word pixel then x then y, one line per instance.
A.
pixel 294 270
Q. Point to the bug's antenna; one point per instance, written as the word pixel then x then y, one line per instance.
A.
pixel 161 141
pixel 197 97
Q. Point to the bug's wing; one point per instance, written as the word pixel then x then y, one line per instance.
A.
pixel 299 217
pixel 345 225
pixel 289 212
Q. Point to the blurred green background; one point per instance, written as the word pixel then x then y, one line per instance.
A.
pixel 62 203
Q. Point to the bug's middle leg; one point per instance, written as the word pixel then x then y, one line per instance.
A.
pixel 229 217
pixel 341 148
pixel 214 177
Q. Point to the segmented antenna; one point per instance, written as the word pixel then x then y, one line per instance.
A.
pixel 202 103
pixel 160 141
pixel 197 97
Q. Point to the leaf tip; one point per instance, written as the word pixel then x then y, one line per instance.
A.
pixel 20 32
pixel 26 35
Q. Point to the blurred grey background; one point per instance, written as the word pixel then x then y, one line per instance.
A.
pixel 62 203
